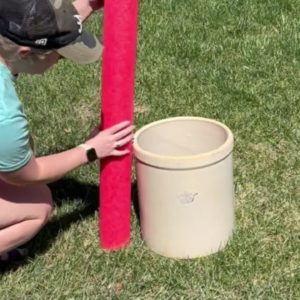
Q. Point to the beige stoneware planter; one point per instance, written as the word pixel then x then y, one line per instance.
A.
pixel 185 186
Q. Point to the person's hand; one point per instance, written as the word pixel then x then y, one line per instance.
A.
pixel 107 142
pixel 86 7
pixel 96 4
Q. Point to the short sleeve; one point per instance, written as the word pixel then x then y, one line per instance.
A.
pixel 15 150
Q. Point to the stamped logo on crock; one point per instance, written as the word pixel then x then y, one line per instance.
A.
pixel 187 197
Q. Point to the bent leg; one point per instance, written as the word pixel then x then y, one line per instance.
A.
pixel 23 212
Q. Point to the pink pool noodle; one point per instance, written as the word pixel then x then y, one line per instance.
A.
pixel 118 69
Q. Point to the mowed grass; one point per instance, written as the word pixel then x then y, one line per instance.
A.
pixel 234 61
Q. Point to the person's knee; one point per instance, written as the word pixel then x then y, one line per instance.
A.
pixel 46 207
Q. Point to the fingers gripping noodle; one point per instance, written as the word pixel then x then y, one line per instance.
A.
pixel 118 68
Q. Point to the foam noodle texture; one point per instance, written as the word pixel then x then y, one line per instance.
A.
pixel 118 68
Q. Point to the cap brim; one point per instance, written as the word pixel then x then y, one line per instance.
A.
pixel 84 50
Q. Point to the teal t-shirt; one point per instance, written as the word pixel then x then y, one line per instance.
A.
pixel 15 150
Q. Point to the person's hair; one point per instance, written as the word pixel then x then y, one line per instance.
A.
pixel 7 47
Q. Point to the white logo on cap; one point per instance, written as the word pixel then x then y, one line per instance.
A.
pixel 42 42
pixel 79 22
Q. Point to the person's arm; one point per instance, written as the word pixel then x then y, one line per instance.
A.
pixel 52 167
pixel 86 7
pixel 46 169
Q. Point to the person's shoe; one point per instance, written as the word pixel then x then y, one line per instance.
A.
pixel 13 255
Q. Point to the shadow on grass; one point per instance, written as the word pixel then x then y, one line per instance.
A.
pixel 65 191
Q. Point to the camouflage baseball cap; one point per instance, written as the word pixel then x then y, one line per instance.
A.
pixel 50 25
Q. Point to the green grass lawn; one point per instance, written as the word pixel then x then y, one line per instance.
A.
pixel 234 61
